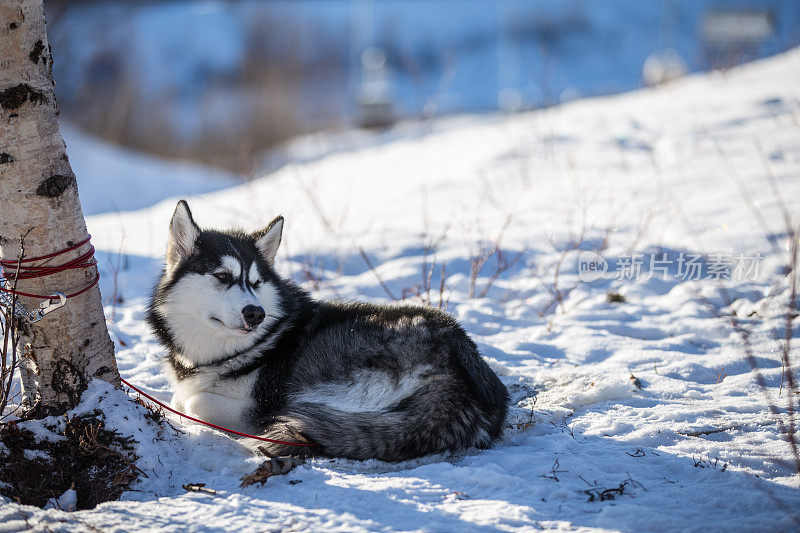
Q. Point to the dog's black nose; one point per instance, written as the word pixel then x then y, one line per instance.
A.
pixel 253 315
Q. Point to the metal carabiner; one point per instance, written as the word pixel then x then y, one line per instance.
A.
pixel 48 306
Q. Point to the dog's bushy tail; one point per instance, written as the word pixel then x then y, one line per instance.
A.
pixel 429 421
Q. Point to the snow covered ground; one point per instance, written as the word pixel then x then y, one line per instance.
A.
pixel 136 180
pixel 676 170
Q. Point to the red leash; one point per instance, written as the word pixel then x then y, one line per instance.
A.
pixel 209 424
pixel 16 269
pixel 87 260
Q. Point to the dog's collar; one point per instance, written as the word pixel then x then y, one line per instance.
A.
pixel 184 368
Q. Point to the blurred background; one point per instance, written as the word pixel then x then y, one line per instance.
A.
pixel 227 83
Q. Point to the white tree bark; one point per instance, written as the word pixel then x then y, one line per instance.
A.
pixel 39 197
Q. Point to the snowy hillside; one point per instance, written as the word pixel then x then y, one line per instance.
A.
pixel 136 180
pixel 634 406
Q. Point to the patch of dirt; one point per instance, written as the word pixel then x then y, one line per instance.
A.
pixel 100 462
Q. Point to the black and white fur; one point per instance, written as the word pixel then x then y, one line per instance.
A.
pixel 253 352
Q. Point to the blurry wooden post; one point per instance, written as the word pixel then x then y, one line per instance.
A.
pixel 39 199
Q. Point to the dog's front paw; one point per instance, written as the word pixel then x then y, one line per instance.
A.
pixel 217 409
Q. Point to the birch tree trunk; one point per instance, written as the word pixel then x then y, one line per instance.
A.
pixel 39 198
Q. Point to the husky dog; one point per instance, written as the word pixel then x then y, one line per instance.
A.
pixel 253 352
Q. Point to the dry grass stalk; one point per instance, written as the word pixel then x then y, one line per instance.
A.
pixel 788 427
pixel 484 251
pixel 575 242
pixel 8 361
pixel 786 423
pixel 374 271
pixel 605 494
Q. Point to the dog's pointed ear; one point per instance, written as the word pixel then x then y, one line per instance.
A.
pixel 183 233
pixel 269 238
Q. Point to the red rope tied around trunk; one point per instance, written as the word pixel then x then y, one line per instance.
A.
pixel 209 424
pixel 17 269
pixel 87 260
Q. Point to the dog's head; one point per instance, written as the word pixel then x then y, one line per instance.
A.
pixel 219 292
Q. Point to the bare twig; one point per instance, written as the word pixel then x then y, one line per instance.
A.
pixel 604 494
pixel 788 428
pixel 442 280
pixel 274 466
pixel 573 243
pixel 746 196
pixel 554 471
pixel 786 345
pixel 485 251
pixel 115 297
pixel 10 334
pixel 317 207
pixel 374 271
pixel 503 265
pixel 198 487
pixel 773 183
